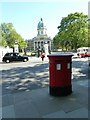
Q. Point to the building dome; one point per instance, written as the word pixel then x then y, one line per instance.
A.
pixel 40 24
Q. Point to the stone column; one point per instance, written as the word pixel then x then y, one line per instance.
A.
pixel 37 44
pixel 34 46
pixel 40 45
pixel 50 45
pixel 46 49
pixel 16 47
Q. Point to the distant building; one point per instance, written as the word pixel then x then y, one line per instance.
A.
pixel 37 43
pixel 4 50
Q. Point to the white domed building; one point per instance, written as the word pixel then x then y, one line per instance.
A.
pixel 41 39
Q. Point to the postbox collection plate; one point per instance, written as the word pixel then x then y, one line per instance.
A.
pixel 58 66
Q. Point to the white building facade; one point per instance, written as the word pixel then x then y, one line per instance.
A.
pixel 41 37
pixel 3 51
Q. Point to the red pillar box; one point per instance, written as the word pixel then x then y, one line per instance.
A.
pixel 60 66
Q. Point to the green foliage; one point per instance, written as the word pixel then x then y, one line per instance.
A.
pixel 88 41
pixel 2 41
pixel 73 31
pixel 56 41
pixel 9 36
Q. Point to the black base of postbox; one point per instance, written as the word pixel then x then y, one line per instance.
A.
pixel 60 91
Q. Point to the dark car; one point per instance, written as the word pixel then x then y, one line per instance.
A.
pixel 10 57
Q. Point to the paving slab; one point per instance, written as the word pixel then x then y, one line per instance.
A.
pixel 0 112
pixel 26 110
pixel 58 114
pixel 79 113
pixel 81 93
pixel 7 100
pixel 0 100
pixel 21 97
pixel 89 114
pixel 8 112
pixel 71 105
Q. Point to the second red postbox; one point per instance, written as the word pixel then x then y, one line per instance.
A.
pixel 60 66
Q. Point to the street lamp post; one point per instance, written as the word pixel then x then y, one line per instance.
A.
pixel 16 47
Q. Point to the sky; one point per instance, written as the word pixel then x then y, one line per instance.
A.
pixel 25 15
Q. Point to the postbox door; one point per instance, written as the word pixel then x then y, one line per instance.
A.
pixel 63 73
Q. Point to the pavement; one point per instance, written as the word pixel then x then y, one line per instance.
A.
pixel 38 103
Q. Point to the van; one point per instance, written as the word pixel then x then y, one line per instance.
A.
pixel 83 52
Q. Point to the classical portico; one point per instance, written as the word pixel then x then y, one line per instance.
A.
pixel 39 44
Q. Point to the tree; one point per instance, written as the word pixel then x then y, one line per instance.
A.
pixel 56 42
pixel 9 36
pixel 73 31
pixel 2 41
pixel 88 42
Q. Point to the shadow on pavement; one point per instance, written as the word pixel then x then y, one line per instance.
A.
pixel 80 70
pixel 24 78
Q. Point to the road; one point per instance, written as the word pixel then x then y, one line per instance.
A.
pixel 34 74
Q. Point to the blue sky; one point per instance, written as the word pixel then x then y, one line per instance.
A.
pixel 25 15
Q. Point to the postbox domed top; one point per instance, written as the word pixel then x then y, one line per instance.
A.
pixel 60 54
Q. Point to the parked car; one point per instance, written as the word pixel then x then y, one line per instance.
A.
pixel 83 51
pixel 10 57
